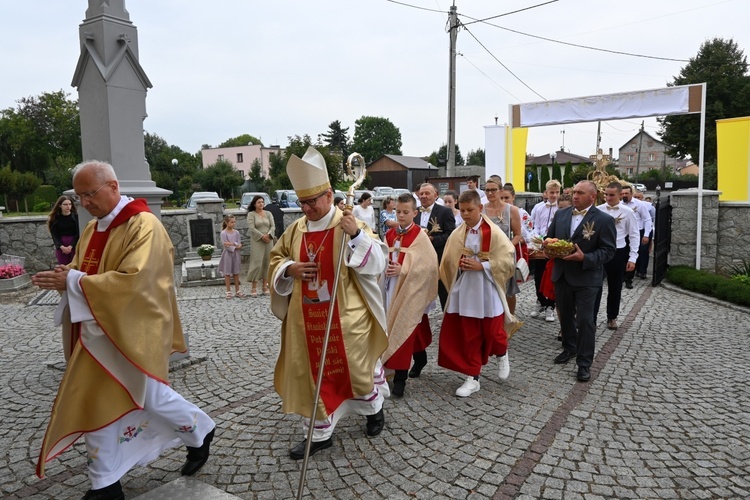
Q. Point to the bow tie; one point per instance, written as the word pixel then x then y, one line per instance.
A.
pixel 423 209
pixel 616 207
pixel 550 204
pixel 473 231
pixel 579 212
pixel 401 232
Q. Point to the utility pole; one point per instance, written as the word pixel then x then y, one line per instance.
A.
pixel 562 148
pixel 598 137
pixel 451 150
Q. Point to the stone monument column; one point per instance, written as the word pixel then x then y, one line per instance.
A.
pixel 112 88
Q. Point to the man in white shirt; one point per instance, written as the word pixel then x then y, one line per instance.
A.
pixel 625 256
pixel 541 217
pixel 641 267
pixel 472 184
pixel 644 226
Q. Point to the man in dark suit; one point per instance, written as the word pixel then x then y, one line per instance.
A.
pixel 578 277
pixel 278 217
pixel 438 222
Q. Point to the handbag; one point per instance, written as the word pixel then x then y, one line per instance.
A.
pixel 522 267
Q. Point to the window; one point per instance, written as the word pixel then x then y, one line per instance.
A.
pixel 239 158
pixel 630 157
pixel 651 157
pixel 221 157
pixel 630 171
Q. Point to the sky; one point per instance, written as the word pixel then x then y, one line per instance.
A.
pixel 281 68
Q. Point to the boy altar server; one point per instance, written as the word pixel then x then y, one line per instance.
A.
pixel 410 290
pixel 478 261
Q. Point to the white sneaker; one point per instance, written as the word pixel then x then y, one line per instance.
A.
pixel 549 315
pixel 504 367
pixel 538 312
pixel 470 387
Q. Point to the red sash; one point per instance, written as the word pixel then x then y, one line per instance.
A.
pixel 485 236
pixel 406 239
pixel 96 246
pixel 336 386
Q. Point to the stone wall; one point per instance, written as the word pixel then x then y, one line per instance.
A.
pixel 684 228
pixel 28 236
pixel 734 234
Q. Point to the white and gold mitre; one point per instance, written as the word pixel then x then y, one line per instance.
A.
pixel 308 174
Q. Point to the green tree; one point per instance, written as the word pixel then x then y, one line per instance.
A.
pixel 337 138
pixel 164 171
pixel 374 137
pixel 278 178
pixel 24 184
pixel 221 177
pixel 475 157
pixel 7 183
pixel 440 157
pixel 41 131
pixel 723 66
pixel 240 140
pixel 299 144
pixel 257 179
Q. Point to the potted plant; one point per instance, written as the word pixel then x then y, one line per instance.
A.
pixel 206 251
pixel 12 273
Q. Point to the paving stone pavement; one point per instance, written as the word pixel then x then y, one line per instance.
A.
pixel 666 414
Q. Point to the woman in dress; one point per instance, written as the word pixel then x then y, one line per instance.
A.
pixel 450 198
pixel 388 216
pixel 260 229
pixel 508 219
pixel 63 226
pixel 365 212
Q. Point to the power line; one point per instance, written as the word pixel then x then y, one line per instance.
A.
pixel 578 45
pixel 501 63
pixel 509 13
pixel 417 7
pixel 488 77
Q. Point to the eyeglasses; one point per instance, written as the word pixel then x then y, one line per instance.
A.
pixel 87 196
pixel 312 201
pixel 491 190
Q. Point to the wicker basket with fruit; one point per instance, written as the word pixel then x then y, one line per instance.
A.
pixel 554 247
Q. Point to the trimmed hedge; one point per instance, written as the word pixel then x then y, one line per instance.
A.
pixel 714 285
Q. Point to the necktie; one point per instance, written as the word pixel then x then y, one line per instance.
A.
pixel 616 207
pixel 579 212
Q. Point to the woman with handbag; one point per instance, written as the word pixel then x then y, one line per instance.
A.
pixel 260 229
pixel 508 195
pixel 508 219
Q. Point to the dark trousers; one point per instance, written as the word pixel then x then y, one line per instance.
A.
pixel 442 294
pixel 641 265
pixel 630 274
pixel 576 304
pixel 539 266
pixel 615 271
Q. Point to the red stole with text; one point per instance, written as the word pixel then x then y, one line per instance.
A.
pixel 336 386
pixel 97 244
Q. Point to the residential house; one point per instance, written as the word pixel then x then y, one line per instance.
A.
pixel 642 153
pixel 397 171
pixel 242 157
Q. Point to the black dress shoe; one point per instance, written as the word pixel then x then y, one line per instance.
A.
pixel 398 388
pixel 375 423
pixel 111 492
pixel 629 285
pixel 420 361
pixel 584 374
pixel 563 357
pixel 298 452
pixel 197 456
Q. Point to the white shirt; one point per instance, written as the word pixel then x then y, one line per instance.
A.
pixel 541 217
pixel 424 216
pixel 626 226
pixel 641 215
pixel 366 215
pixel 575 220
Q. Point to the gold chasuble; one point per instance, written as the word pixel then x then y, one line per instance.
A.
pixel 129 288
pixel 497 249
pixel 416 287
pixel 357 337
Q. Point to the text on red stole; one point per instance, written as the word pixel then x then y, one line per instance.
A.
pixel 336 386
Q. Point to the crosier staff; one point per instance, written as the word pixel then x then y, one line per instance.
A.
pixel 358 179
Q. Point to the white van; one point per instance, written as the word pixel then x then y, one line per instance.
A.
pixel 198 195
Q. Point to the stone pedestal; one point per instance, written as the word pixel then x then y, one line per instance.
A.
pixel 14 284
pixel 199 272
pixel 685 225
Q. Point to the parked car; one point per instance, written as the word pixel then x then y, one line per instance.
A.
pixel 381 192
pixel 287 198
pixel 640 187
pixel 198 195
pixel 400 191
pixel 248 197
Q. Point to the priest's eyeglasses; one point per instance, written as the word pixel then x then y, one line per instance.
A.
pixel 312 201
pixel 87 196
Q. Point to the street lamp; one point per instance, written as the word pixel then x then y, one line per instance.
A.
pixel 552 157
pixel 539 177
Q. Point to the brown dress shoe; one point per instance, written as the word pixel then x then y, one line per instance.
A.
pixel 612 324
